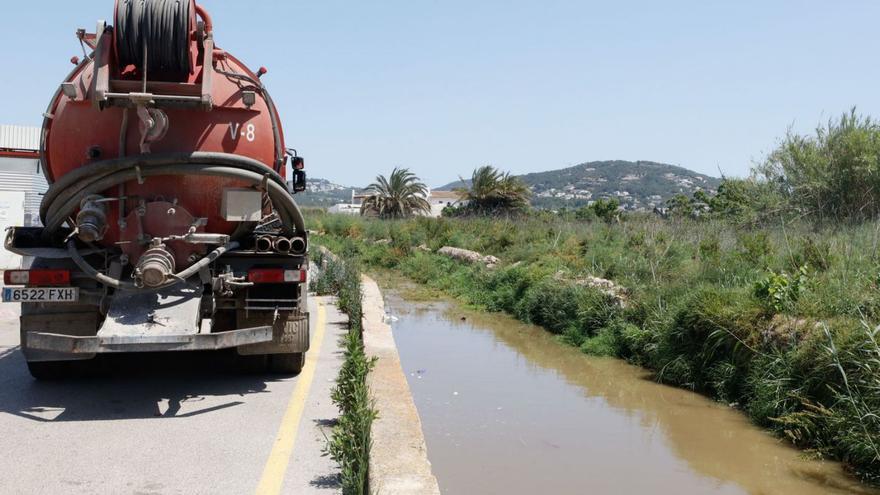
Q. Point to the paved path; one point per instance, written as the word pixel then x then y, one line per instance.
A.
pixel 170 423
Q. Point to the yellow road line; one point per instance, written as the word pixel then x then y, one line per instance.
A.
pixel 276 467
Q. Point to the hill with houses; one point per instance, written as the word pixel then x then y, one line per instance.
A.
pixel 640 185
pixel 637 185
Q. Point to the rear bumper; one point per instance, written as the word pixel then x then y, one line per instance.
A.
pixel 69 344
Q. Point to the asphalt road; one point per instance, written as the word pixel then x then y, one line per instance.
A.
pixel 170 423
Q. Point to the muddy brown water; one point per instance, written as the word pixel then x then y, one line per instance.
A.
pixel 507 409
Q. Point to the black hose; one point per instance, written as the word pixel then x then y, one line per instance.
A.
pixel 291 217
pixel 71 184
pixel 164 26
pixel 128 286
pixel 62 207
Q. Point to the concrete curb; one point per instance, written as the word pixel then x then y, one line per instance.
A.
pixel 399 458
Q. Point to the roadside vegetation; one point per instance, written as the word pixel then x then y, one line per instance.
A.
pixel 765 296
pixel 349 444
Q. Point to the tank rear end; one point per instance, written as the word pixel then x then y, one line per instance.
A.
pixel 169 199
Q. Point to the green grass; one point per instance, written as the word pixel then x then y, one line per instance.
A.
pixel 349 444
pixel 778 321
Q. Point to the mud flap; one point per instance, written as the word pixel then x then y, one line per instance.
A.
pixel 290 333
pixel 77 321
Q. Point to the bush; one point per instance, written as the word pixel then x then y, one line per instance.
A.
pixel 606 210
pixel 778 292
pixel 709 344
pixel 349 445
pixel 350 442
pixel 834 174
pixel 550 304
pixel 747 201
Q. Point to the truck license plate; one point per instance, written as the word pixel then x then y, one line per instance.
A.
pixel 40 294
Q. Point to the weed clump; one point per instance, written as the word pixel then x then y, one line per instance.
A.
pixel 349 444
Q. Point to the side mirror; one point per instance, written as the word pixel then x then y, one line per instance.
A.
pixel 299 181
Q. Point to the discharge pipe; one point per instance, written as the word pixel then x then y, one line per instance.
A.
pixel 282 245
pixel 298 245
pixel 264 244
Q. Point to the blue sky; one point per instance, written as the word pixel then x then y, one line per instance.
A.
pixel 444 86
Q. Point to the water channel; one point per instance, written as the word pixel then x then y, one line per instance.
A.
pixel 507 409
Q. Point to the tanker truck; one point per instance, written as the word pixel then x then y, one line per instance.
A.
pixel 170 222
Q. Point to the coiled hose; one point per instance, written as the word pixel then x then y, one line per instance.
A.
pixel 64 196
pixel 163 26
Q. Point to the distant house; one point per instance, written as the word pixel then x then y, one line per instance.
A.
pixel 345 209
pixel 437 199
pixel 441 199
pixel 353 208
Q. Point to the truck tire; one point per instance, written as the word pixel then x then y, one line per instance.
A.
pixel 252 365
pixel 77 319
pixel 287 364
pixel 51 370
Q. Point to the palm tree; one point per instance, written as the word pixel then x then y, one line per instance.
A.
pixel 493 191
pixel 402 195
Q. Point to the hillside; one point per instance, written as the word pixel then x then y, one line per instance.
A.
pixel 323 193
pixel 637 185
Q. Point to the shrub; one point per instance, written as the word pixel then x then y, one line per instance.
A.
pixel 746 201
pixel 605 343
pixel 780 291
pixel 714 328
pixel 606 210
pixel 834 174
pixel 550 304
pixel 349 444
pixel 755 248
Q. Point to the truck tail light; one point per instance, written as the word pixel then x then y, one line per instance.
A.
pixel 36 277
pixel 276 276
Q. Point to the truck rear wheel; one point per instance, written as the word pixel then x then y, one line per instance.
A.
pixel 253 364
pixel 287 364
pixel 51 370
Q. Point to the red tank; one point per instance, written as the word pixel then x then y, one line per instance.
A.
pixel 168 224
pixel 115 106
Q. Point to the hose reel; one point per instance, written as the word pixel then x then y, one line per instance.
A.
pixel 155 36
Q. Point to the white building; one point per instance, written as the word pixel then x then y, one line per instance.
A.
pixel 345 209
pixel 437 199
pixel 22 183
pixel 441 199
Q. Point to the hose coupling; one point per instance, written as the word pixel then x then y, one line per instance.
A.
pixel 91 221
pixel 154 267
